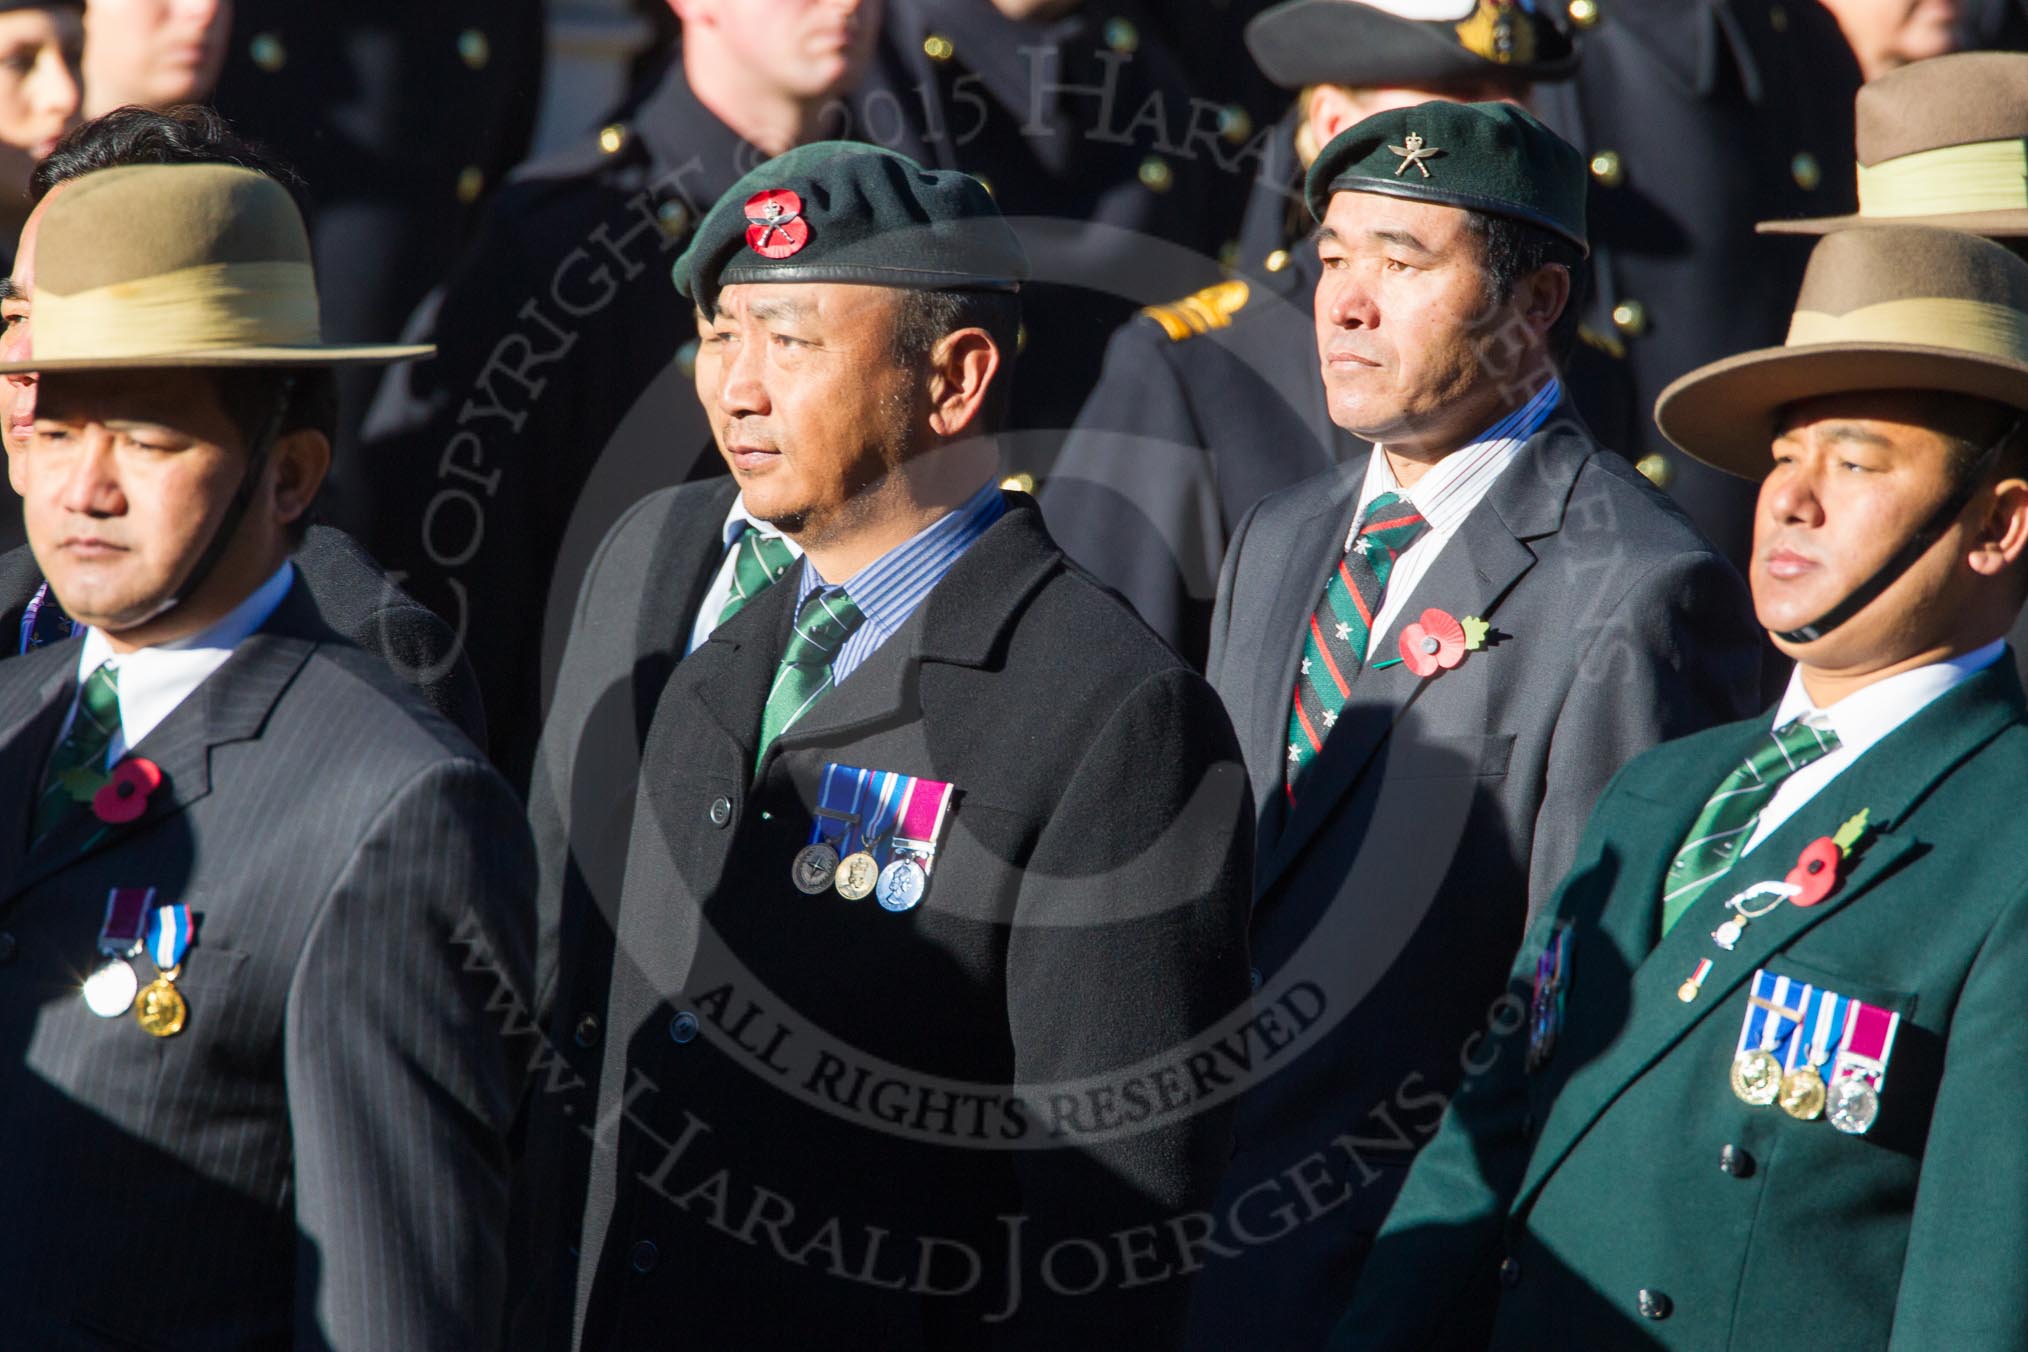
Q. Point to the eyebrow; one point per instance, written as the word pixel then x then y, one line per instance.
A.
pixel 766 310
pixel 1855 432
pixel 10 291
pixel 1402 238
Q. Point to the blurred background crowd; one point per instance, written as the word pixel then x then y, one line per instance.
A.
pixel 511 179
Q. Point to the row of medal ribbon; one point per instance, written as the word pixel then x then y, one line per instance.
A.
pixel 135 924
pixel 1814 1053
pixel 875 834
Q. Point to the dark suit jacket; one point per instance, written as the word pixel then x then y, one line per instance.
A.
pixel 354 597
pixel 1627 1166
pixel 1441 813
pixel 319 1158
pixel 1086 913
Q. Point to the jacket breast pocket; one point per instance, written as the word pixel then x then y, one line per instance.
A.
pixel 1449 756
pixel 1869 990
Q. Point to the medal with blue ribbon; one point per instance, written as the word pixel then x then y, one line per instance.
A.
pixel 1774 1011
pixel 161 1009
pixel 859 872
pixel 836 822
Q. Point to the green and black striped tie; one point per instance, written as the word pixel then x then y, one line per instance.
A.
pixel 78 766
pixel 1730 814
pixel 758 562
pixel 823 622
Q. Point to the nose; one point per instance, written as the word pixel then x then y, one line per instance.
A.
pixel 1346 302
pixel 1788 497
pixel 58 95
pixel 92 488
pixel 742 382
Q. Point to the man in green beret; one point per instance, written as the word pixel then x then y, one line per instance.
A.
pixel 1435 656
pixel 938 859
pixel 1776 1004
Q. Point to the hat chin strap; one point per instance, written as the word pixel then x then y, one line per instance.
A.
pixel 1906 557
pixel 235 511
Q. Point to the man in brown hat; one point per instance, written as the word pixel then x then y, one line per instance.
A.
pixel 1942 142
pixel 1774 1008
pixel 256 900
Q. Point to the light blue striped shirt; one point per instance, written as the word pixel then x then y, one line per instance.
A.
pixel 888 590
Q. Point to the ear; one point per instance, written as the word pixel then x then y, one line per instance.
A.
pixel 963 366
pixel 1332 109
pixel 2002 536
pixel 296 469
pixel 1541 297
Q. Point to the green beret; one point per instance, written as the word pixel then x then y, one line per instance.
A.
pixel 840 211
pixel 1489 157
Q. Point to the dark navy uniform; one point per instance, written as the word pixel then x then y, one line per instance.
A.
pixel 1205 407
pixel 562 394
pixel 400 117
pixel 1085 120
pixel 1698 119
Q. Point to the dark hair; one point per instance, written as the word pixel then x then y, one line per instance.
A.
pixel 1512 250
pixel 250 396
pixel 925 317
pixel 188 133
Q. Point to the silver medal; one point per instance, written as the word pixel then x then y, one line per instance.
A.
pixel 814 867
pixel 1853 1106
pixel 901 885
pixel 109 991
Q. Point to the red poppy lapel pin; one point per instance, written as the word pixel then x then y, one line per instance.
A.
pixel 1822 863
pixel 124 795
pixel 1437 641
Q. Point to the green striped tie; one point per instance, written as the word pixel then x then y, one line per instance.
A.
pixel 78 766
pixel 758 562
pixel 1729 815
pixel 823 622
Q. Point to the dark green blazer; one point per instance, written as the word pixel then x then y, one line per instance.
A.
pixel 1621 1196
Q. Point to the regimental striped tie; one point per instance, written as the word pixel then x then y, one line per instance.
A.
pixel 1731 813
pixel 77 768
pixel 1334 645
pixel 823 622
pixel 758 562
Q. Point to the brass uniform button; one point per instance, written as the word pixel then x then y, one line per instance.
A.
pixel 1631 318
pixel 1808 173
pixel 1235 124
pixel 937 47
pixel 1778 18
pixel 1584 13
pixel 1156 175
pixel 1020 339
pixel 1607 168
pixel 674 218
pixel 1018 483
pixel 612 137
pixel 1123 37
pixel 267 52
pixel 1277 260
pixel 1655 468
pixel 473 49
pixel 471 182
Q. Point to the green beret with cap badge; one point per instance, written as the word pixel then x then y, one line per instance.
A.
pixel 841 211
pixel 1489 157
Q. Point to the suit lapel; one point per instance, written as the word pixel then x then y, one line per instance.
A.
pixel 1889 781
pixel 31 715
pixel 229 706
pixel 1474 571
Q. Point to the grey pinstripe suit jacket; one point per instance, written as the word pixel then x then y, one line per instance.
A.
pixel 319 1159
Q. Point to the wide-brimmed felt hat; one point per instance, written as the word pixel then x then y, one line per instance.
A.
pixel 1489 157
pixel 1940 142
pixel 1407 43
pixel 1881 308
pixel 180 265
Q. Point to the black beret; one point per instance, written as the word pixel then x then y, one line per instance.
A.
pixel 841 211
pixel 1413 43
pixel 1489 157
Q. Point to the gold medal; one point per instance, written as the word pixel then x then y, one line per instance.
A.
pixel 1802 1095
pixel 858 875
pixel 1756 1077
pixel 161 1009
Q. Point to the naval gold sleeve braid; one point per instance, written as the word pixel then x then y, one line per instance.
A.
pixel 1129 938
pixel 401 1081
pixel 1962 1281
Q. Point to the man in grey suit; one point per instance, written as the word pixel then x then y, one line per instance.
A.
pixel 259 905
pixel 1435 657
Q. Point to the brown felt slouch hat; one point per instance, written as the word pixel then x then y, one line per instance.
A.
pixel 1881 308
pixel 184 265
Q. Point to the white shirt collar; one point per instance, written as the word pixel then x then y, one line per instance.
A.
pixel 1867 715
pixel 737 520
pixel 1449 489
pixel 154 680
